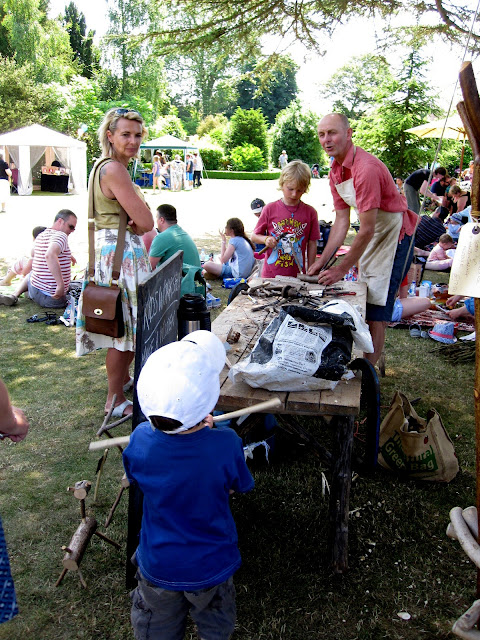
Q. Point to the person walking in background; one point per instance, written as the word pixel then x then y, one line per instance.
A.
pixel 5 175
pixel 120 136
pixel 417 182
pixel 189 172
pixel 157 176
pixel 283 160
pixel 197 170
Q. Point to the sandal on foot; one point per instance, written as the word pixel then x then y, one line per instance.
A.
pixel 128 386
pixel 119 410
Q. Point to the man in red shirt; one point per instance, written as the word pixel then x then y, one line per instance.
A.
pixel 382 248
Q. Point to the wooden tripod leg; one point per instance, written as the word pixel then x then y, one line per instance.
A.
pixel 109 540
pixel 82 579
pixel 61 577
pixel 114 506
pixel 99 474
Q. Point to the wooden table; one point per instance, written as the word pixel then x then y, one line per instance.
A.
pixel 342 403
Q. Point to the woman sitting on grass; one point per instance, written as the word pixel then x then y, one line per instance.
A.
pixel 236 259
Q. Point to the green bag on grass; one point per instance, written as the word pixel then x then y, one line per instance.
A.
pixel 416 447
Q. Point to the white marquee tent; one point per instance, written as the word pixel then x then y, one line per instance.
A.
pixel 26 146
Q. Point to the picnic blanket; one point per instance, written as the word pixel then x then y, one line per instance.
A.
pixel 430 318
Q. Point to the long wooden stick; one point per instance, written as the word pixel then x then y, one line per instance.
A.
pixel 274 403
pixel 469 111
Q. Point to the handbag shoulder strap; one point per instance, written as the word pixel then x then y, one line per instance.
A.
pixel 122 227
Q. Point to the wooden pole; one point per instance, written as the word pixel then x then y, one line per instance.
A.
pixel 469 111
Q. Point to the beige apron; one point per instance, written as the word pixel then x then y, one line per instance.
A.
pixel 375 265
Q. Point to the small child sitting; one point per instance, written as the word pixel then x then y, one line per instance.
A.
pixel 257 208
pixel 440 257
pixel 289 227
pixel 187 553
pixel 22 266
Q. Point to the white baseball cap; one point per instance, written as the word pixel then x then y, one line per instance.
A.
pixel 180 381
pixel 212 345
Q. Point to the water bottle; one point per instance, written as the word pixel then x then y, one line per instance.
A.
pixel 412 290
pixel 203 256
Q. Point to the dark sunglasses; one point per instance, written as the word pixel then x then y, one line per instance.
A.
pixel 122 112
pixel 71 227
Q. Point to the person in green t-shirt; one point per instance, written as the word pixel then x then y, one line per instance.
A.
pixel 171 238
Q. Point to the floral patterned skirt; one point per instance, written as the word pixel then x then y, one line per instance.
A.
pixel 8 602
pixel 135 269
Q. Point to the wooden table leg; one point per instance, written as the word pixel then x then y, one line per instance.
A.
pixel 340 493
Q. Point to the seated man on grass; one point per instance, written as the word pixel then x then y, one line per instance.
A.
pixel 171 238
pixel 49 279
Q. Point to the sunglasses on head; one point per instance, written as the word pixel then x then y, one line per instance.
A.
pixel 122 112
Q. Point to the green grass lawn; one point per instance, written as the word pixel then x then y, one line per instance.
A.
pixel 400 557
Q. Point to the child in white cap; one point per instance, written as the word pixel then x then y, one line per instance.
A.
pixel 188 551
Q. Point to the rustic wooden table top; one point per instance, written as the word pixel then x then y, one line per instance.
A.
pixel 239 317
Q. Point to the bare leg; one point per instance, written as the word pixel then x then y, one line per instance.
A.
pixel 377 331
pixel 215 268
pixel 117 364
pixel 22 287
pixel 7 280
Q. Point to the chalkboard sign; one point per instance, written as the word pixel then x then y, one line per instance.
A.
pixel 157 325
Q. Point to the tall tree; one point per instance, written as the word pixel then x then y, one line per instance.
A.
pixel 353 88
pixel 37 41
pixel 295 130
pixel 404 101
pixel 248 126
pixel 232 24
pixel 127 17
pixel 82 45
pixel 269 90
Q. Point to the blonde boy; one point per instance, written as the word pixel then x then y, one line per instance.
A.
pixel 289 227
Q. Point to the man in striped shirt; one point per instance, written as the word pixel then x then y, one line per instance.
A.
pixel 52 259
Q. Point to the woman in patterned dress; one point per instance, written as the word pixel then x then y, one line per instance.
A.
pixel 120 135
pixel 13 425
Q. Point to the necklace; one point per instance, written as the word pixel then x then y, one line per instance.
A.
pixel 292 213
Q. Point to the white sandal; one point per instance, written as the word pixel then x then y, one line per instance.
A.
pixel 128 386
pixel 119 410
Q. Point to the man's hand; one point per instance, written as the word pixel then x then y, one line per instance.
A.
pixel 73 260
pixel 136 230
pixel 59 292
pixel 332 275
pixel 315 268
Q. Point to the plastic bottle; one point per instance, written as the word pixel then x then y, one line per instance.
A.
pixel 203 256
pixel 412 290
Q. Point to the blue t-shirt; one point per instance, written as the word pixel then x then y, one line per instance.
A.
pixel 188 539
pixel 243 260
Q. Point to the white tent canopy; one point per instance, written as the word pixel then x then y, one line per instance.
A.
pixel 26 146
pixel 168 142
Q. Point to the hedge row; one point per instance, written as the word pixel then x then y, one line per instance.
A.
pixel 242 175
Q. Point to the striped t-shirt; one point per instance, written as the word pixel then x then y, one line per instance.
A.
pixel 41 278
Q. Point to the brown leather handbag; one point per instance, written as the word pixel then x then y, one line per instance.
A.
pixel 102 304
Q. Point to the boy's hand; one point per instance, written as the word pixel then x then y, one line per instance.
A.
pixel 209 421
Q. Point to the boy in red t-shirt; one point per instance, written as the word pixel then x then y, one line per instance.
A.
pixel 289 227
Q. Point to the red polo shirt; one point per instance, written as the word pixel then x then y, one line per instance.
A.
pixel 374 186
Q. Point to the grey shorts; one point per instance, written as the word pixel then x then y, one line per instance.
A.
pixel 159 613
pixel 47 302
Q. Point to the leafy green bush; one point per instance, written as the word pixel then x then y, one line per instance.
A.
pixel 247 157
pixel 244 175
pixel 248 126
pixel 295 130
pixel 213 157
